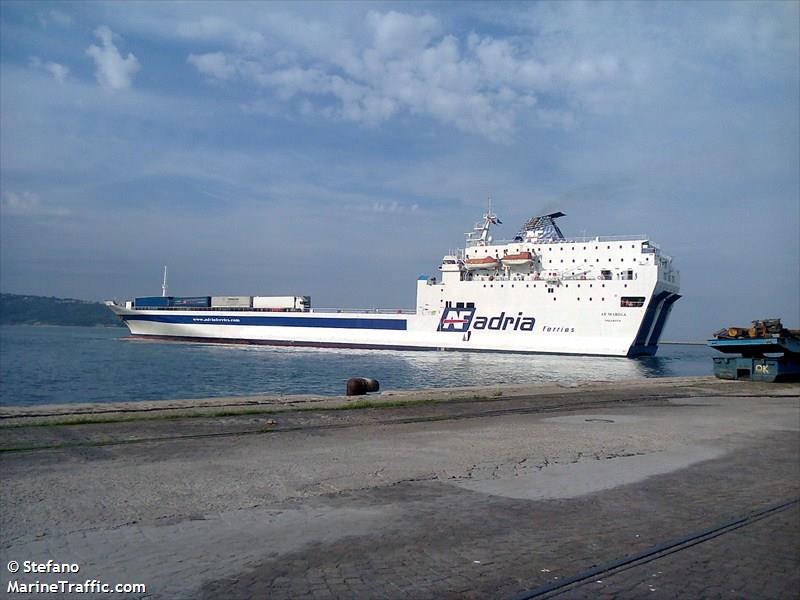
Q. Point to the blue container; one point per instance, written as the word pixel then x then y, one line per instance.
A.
pixel 191 301
pixel 152 302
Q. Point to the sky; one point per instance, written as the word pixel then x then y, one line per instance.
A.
pixel 338 150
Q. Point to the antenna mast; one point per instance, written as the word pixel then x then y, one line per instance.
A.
pixel 164 284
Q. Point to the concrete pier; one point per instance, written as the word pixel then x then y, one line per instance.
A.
pixel 464 493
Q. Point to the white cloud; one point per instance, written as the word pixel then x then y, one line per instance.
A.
pixel 55 17
pixel 394 62
pixel 214 64
pixel 57 70
pixel 112 71
pixel 393 207
pixel 28 204
pixel 396 33
pixel 216 28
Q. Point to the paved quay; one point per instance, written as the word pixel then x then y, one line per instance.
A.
pixel 469 493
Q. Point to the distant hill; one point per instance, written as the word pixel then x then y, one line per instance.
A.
pixel 19 309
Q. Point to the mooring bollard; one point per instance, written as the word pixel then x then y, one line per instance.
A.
pixel 358 386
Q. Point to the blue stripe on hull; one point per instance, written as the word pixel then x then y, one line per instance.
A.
pixel 662 319
pixel 315 322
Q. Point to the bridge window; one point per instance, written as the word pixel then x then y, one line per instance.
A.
pixel 631 301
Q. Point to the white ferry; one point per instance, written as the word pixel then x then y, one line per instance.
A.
pixel 539 293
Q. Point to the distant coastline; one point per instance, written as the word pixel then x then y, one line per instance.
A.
pixel 26 309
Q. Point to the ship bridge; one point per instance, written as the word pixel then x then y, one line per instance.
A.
pixel 540 251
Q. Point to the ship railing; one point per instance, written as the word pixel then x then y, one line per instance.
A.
pixel 380 311
pixel 559 276
pixel 583 240
pixel 367 311
pixel 221 308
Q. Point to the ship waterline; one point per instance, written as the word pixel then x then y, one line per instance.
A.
pixel 597 296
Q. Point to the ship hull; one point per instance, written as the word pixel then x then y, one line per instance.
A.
pixel 515 326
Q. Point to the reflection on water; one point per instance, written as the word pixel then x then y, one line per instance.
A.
pixel 73 364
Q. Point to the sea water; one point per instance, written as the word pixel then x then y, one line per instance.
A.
pixel 45 365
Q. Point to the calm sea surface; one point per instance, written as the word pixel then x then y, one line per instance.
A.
pixel 44 365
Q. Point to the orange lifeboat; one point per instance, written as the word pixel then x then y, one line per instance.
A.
pixel 521 259
pixel 487 262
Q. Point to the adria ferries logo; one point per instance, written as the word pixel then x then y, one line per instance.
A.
pixel 456 319
pixel 461 319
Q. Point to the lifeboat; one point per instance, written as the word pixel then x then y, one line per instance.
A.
pixel 521 259
pixel 487 262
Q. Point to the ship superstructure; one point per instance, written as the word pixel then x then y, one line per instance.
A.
pixel 538 292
